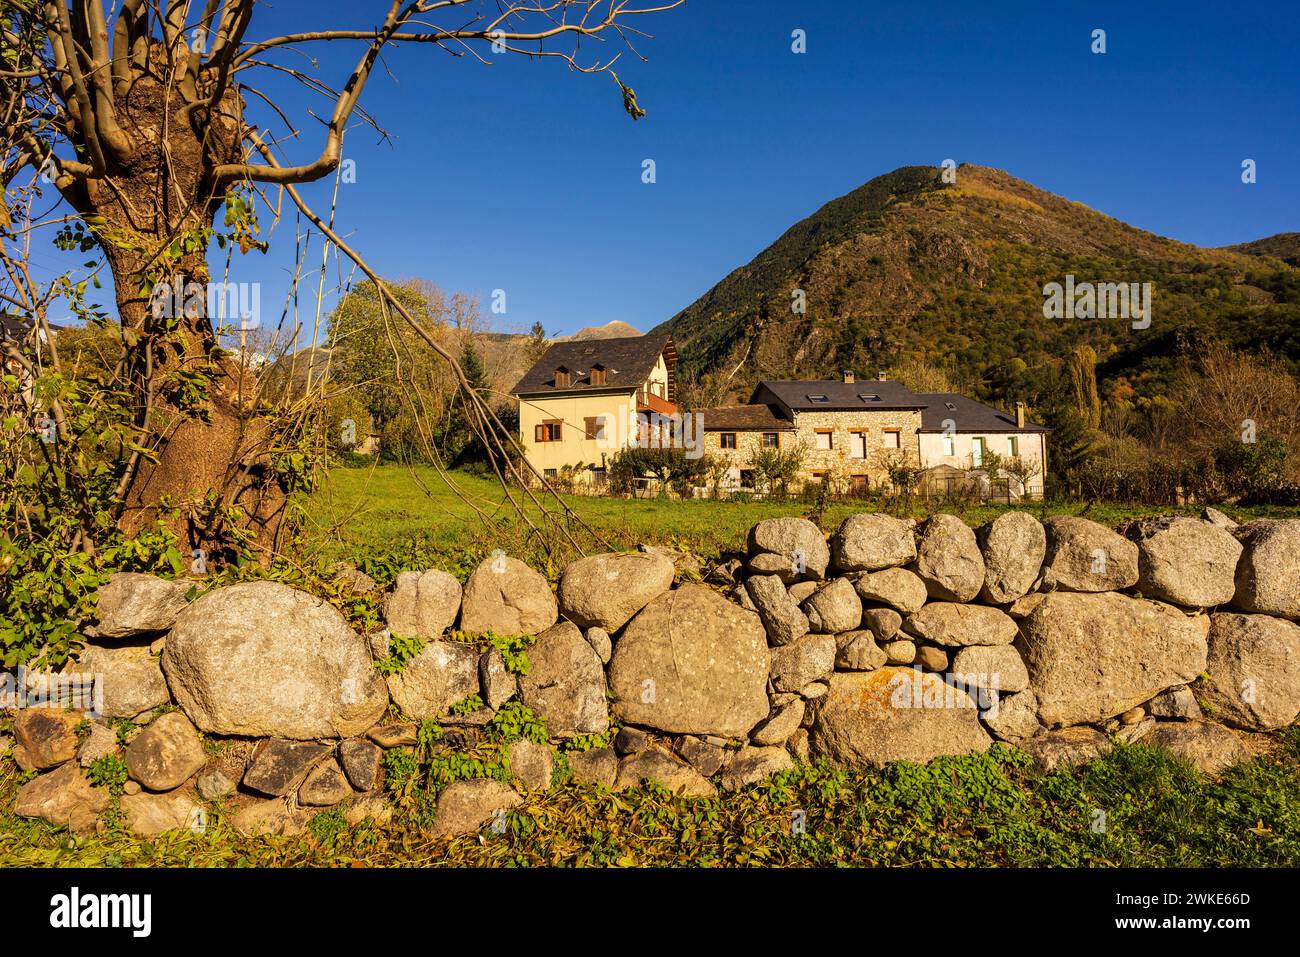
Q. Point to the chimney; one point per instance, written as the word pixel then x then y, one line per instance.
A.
pixel 848 375
pixel 881 376
pixel 1020 415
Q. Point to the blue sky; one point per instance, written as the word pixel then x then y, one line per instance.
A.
pixel 525 177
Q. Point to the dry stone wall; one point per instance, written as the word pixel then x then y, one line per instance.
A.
pixel 885 641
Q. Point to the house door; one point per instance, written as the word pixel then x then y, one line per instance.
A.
pixel 977 452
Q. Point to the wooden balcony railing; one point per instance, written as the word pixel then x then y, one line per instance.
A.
pixel 647 401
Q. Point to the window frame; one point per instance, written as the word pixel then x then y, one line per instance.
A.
pixel 724 438
pixel 548 430
pixel 830 440
pixel 776 440
pixel 898 438
pixel 858 434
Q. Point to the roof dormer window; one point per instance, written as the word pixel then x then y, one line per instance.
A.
pixel 598 374
pixel 562 378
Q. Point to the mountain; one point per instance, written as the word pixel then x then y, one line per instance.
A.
pixel 615 329
pixel 1283 246
pixel 907 267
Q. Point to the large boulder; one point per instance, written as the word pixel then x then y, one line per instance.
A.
pixel 133 680
pixel 1254 671
pixel 1268 575
pixel 894 714
pixel 1211 747
pixel 948 559
pixel 1093 656
pixel 165 754
pixel 565 683
pixel 692 663
pixel 442 674
pixel 422 604
pixel 505 596
pixel 1085 556
pixel 955 625
pixel 834 608
pixel 1013 545
pixel 605 591
pixel 131 604
pixel 64 797
pixel 796 540
pixel 869 542
pixel 898 588
pixel 261 659
pixel 781 617
pixel 1186 562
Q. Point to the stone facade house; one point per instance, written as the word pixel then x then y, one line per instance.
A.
pixel 855 434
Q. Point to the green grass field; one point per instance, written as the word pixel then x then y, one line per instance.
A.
pixel 361 511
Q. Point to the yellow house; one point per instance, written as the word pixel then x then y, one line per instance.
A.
pixel 578 404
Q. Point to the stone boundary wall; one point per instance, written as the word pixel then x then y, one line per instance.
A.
pixel 889 641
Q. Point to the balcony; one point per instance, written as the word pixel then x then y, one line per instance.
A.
pixel 647 401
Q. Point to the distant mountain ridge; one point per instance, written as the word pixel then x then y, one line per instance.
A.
pixel 909 267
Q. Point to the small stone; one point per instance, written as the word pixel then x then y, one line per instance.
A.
pixel 901 652
pixel 213 785
pixel 798 745
pixel 811 692
pixel 149 815
pixel 630 740
pixel 99 743
pixel 394 735
pixel 857 651
pixel 131 604
pixel 898 588
pixel 45 737
pixel 422 604
pixel 278 765
pixel 704 756
pixel 324 786
pixel 360 760
pixel 166 753
pixel 372 807
pixel 465 806
pixel 532 763
pixel 782 723
pixel 1013 717
pixel 664 769
pixel 803 661
pixel 270 816
pixel 1131 733
pixel 596 766
pixel 1211 747
pixel 1176 703
pixel 496 681
pixel 834 608
pixel 802 591
pixel 751 765
pixel 781 617
pixel 600 643
pixel 1133 715
pixel 132 679
pixel 1066 748
pixel 131 787
pixel 796 540
pixel 881 622
pixel 990 668
pixel 931 658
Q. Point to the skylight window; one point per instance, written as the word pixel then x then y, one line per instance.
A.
pixel 818 399
pixel 952 406
pixel 868 397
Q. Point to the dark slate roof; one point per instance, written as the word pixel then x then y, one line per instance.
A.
pixel 628 363
pixel 969 415
pixel 745 418
pixel 794 394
